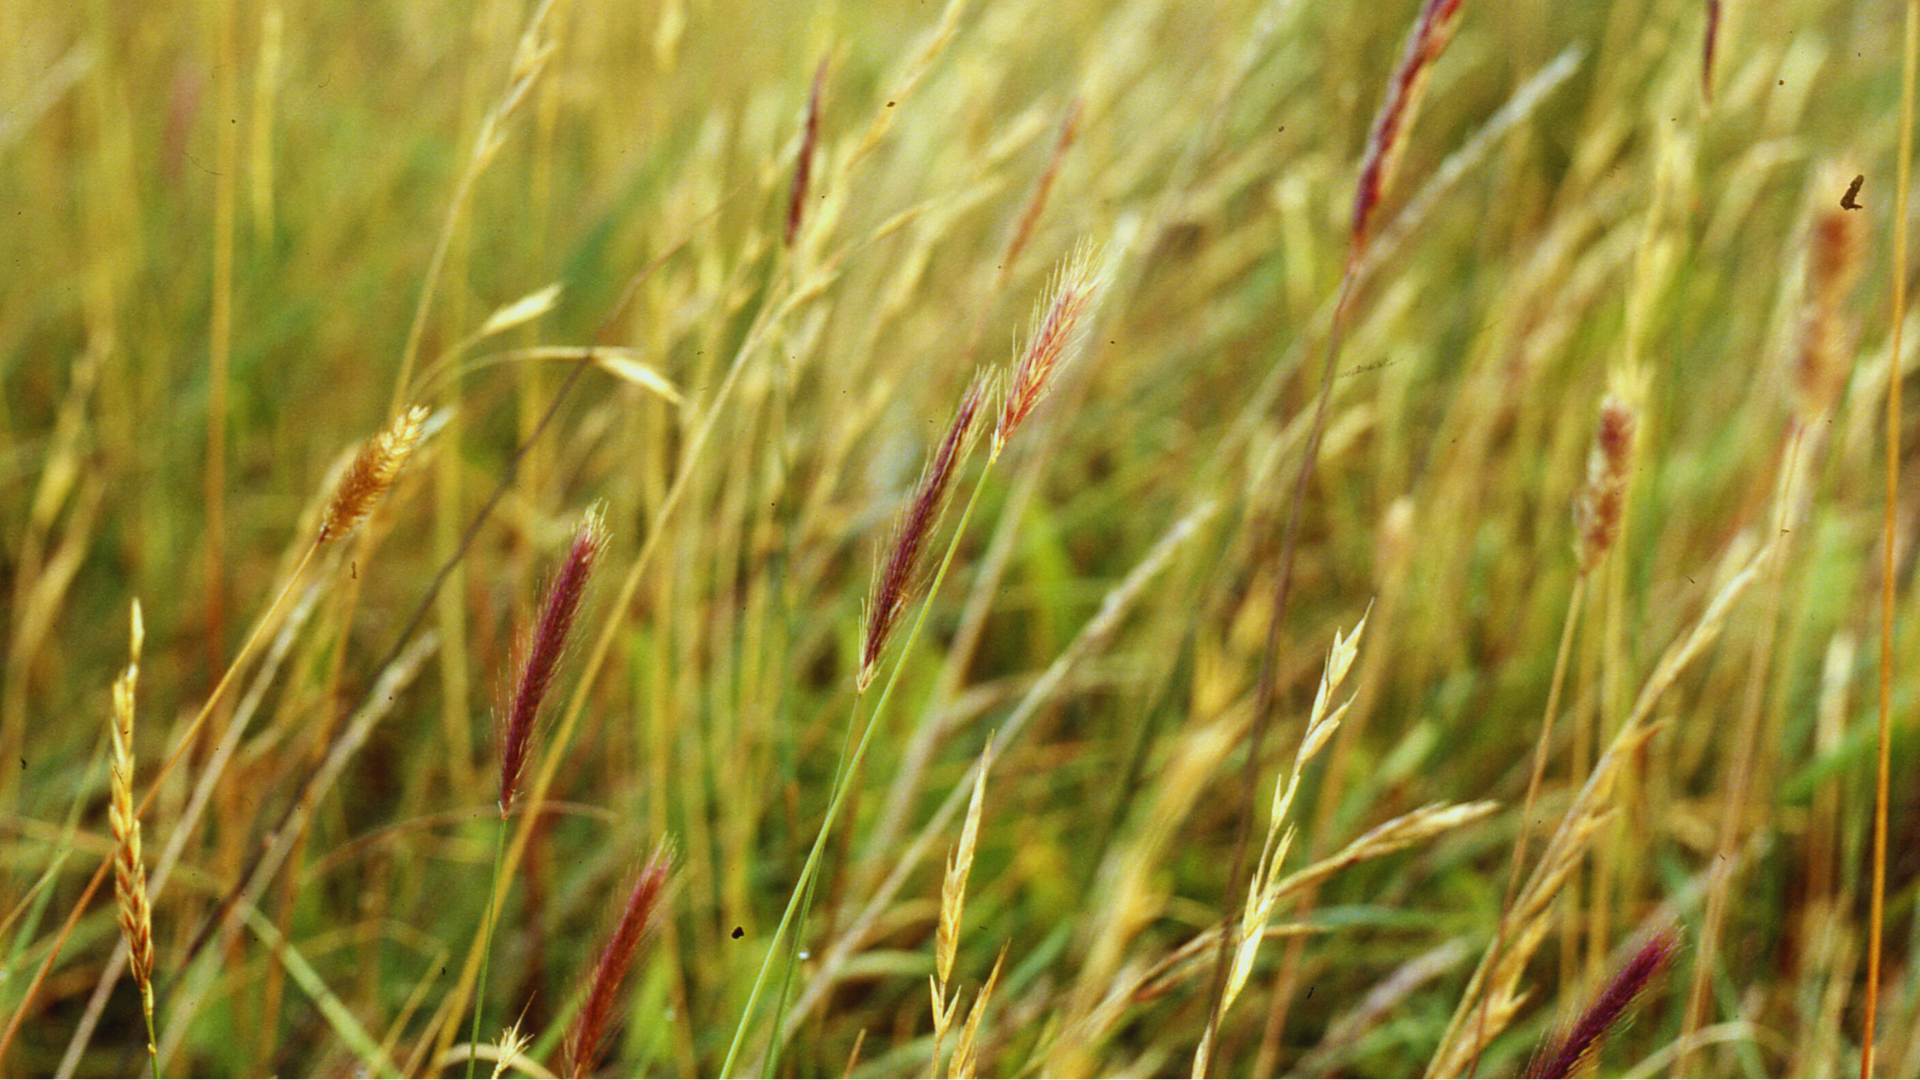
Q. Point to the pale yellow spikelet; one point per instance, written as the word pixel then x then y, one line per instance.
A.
pixel 371 473
pixel 129 868
pixel 967 1049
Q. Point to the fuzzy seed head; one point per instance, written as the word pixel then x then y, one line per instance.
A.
pixel 1431 32
pixel 894 584
pixel 1833 265
pixel 1598 509
pixel 588 1036
pixel 545 646
pixel 1057 337
pixel 372 472
pixel 1571 1052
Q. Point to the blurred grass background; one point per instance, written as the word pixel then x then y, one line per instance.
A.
pixel 223 219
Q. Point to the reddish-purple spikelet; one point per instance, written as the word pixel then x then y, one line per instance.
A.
pixel 1430 35
pixel 893 585
pixel 1570 1052
pixel 545 646
pixel 589 1032
pixel 1069 131
pixel 803 168
pixel 1706 50
pixel 1597 510
pixel 1056 338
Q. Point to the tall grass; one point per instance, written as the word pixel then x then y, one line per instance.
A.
pixel 725 272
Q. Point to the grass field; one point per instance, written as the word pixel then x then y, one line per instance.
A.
pixel 1239 536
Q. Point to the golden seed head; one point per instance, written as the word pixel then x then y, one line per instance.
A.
pixel 372 472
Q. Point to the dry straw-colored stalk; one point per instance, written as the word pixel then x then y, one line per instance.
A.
pixel 545 646
pixel 372 471
pixel 894 584
pixel 588 1036
pixel 129 867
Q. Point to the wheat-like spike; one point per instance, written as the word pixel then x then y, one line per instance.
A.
pixel 513 1043
pixel 965 1051
pixel 372 472
pixel 129 867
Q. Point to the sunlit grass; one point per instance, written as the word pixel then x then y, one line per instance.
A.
pixel 571 235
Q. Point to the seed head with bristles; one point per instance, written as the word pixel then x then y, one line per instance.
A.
pixel 372 472
pixel 1598 509
pixel 545 646
pixel 1431 32
pixel 589 1032
pixel 894 584
pixel 1057 337
pixel 1571 1051
pixel 1833 264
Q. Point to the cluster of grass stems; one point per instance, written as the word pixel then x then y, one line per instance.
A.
pixel 1228 538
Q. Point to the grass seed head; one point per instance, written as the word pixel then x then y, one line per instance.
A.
pixel 1602 500
pixel 372 472
pixel 1431 32
pixel 893 586
pixel 1571 1052
pixel 546 645
pixel 1057 337
pixel 1833 265
pixel 589 1032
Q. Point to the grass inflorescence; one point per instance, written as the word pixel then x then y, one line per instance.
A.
pixel 1225 538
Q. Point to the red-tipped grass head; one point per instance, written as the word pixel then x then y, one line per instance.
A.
pixel 1568 1054
pixel 1057 337
pixel 803 168
pixel 893 585
pixel 545 646
pixel 588 1036
pixel 1431 32
pixel 1602 499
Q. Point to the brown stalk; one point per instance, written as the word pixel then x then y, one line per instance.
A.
pixel 546 646
pixel 1707 49
pixel 588 1036
pixel 894 584
pixel 1890 523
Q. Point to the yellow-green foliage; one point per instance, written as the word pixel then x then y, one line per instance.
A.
pixel 241 239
